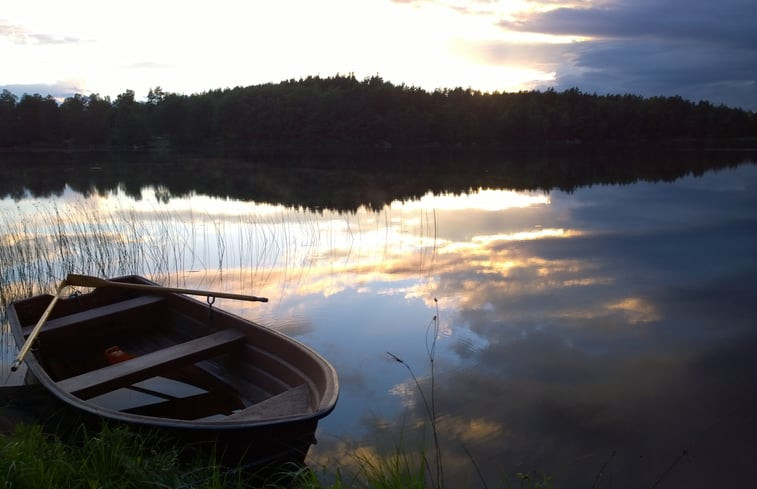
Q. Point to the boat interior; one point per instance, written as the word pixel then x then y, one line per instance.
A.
pixel 169 356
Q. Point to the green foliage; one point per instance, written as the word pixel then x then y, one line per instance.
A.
pixel 110 458
pixel 342 111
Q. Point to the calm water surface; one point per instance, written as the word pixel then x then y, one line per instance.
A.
pixel 605 337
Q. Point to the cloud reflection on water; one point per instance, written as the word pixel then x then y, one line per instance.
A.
pixel 621 345
pixel 612 320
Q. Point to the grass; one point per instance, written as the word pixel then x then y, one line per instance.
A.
pixel 120 458
pixel 112 458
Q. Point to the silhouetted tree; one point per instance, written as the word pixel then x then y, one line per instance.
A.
pixel 7 117
pixel 37 120
pixel 99 121
pixel 74 119
pixel 129 125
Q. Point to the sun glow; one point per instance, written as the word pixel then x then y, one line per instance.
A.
pixel 193 49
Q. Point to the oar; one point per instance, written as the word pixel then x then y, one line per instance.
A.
pixel 30 339
pixel 88 281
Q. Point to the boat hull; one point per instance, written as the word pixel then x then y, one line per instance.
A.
pixel 171 363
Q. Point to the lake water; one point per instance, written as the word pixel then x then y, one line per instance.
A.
pixel 604 335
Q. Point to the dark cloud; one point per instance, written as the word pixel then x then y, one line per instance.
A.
pixel 693 70
pixel 730 22
pixel 20 35
pixel 698 49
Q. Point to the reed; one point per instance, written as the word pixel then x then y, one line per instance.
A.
pixel 433 462
pixel 436 473
pixel 41 244
pixel 39 248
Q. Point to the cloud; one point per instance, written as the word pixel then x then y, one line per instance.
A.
pixel 730 23
pixel 471 7
pixel 630 370
pixel 545 57
pixel 566 411
pixel 20 35
pixel 149 65
pixel 59 90
pixel 669 47
pixel 649 67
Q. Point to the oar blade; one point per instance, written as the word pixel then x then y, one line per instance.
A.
pixel 86 281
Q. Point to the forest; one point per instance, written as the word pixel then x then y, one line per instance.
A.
pixel 342 111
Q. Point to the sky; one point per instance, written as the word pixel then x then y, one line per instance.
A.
pixel 698 49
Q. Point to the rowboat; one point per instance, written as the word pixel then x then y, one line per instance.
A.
pixel 131 352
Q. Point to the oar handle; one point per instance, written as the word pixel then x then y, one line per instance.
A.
pixel 33 335
pixel 89 281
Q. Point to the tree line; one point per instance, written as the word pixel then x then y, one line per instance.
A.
pixel 342 111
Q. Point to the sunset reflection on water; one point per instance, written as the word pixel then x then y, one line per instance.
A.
pixel 607 324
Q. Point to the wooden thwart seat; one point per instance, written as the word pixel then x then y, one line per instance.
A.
pixel 97 314
pixel 290 402
pixel 112 377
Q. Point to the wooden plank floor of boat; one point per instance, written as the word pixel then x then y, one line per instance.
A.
pixel 108 378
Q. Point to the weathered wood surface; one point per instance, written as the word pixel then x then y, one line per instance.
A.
pixel 290 402
pixel 97 314
pixel 145 366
